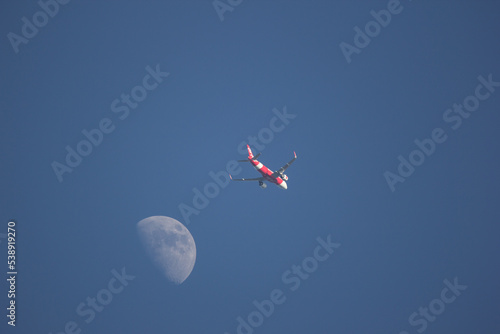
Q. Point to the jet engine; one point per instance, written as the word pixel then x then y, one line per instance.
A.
pixel 262 185
pixel 283 176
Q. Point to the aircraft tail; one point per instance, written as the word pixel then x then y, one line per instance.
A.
pixel 250 154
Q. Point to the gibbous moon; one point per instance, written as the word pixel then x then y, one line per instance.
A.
pixel 170 245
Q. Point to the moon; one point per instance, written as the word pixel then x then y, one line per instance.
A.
pixel 169 245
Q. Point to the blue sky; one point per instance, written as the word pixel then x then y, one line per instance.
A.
pixel 397 246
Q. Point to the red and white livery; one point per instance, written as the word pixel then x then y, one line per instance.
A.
pixel 278 177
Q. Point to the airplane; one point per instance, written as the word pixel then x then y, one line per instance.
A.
pixel 277 177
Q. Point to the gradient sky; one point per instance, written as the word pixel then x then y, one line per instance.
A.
pixel 352 122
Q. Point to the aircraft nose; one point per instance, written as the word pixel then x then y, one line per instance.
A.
pixel 283 185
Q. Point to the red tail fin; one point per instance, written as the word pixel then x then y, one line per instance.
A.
pixel 250 154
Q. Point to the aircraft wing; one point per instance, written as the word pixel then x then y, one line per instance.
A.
pixel 254 179
pixel 282 169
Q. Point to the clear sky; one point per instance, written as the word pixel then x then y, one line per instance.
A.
pixel 167 91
